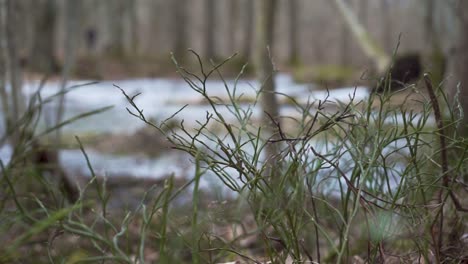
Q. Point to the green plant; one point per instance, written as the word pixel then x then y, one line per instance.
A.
pixel 355 181
pixel 351 182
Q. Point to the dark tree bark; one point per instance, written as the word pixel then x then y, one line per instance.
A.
pixel 457 64
pixel 180 32
pixel 49 160
pixel 4 63
pixel 72 14
pixel 387 37
pixel 434 59
pixel 115 26
pixel 233 24
pixel 133 25
pixel 429 33
pixel 210 40
pixel 43 54
pixel 345 43
pixel 248 29
pixel 265 25
pixel 293 32
pixel 13 102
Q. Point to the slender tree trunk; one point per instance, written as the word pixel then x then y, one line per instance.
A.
pixel 115 26
pixel 233 24
pixel 133 27
pixel 293 32
pixel 265 74
pixel 387 37
pixel 457 66
pixel 43 57
pixel 180 32
pixel 72 14
pixel 429 33
pixel 248 29
pixel 125 10
pixel 210 12
pixel 14 72
pixel 435 60
pixel 3 68
pixel 345 43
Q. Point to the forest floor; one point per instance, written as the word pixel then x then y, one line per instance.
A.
pixel 118 68
pixel 125 192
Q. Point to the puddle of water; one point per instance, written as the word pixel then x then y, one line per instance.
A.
pixel 5 154
pixel 158 96
pixel 157 100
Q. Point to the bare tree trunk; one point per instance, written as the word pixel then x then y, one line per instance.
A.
pixel 345 43
pixel 265 74
pixel 432 41
pixel 387 37
pixel 233 24
pixel 43 57
pixel 180 32
pixel 457 66
pixel 12 65
pixel 3 69
pixel 72 14
pixel 249 6
pixel 429 33
pixel 115 12
pixel 435 60
pixel 133 25
pixel 210 12
pixel 125 27
pixel 293 32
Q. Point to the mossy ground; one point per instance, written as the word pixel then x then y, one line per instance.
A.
pixel 326 75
